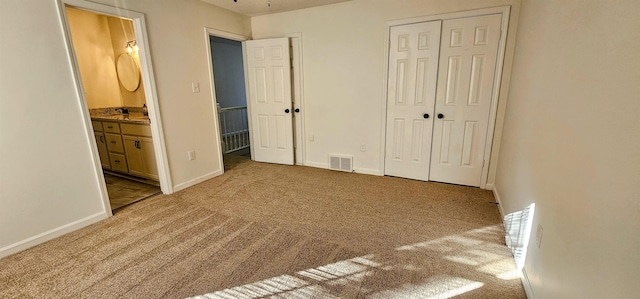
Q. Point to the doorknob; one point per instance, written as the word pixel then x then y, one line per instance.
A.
pixel 440 115
pixel 286 110
pixel 426 115
pixel 297 110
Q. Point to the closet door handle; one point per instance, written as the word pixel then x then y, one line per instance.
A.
pixel 426 115
pixel 297 110
pixel 286 110
pixel 440 116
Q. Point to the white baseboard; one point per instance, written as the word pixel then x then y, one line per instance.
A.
pixel 356 170
pixel 496 194
pixel 50 234
pixel 489 187
pixel 197 180
pixel 368 171
pixel 317 164
pixel 527 285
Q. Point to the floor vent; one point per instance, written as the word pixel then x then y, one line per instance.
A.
pixel 341 163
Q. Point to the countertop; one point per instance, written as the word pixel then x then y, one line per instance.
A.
pixel 131 118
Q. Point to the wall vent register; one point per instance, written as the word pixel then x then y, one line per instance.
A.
pixel 341 163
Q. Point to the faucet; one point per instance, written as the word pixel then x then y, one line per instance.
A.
pixel 124 112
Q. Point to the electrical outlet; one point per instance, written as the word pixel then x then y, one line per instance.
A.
pixel 539 235
pixel 191 154
pixel 363 147
pixel 195 87
pixel 311 137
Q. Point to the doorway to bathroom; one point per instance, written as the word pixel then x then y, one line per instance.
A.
pixel 107 60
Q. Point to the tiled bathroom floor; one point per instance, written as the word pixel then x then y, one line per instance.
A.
pixel 123 192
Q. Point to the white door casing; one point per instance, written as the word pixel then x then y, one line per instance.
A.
pixel 296 81
pixel 269 100
pixel 468 55
pixel 412 77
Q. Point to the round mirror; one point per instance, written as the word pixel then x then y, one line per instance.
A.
pixel 128 72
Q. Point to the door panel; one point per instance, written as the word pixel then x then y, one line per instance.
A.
pixel 102 149
pixel 413 64
pixel 465 86
pixel 136 166
pixel 148 157
pixel 269 100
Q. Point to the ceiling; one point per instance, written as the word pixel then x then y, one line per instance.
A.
pixel 261 7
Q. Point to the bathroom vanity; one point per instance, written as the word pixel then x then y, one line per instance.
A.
pixel 125 145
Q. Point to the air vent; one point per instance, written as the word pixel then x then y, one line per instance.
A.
pixel 341 163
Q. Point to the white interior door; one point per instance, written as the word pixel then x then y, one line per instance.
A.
pixel 269 100
pixel 413 70
pixel 468 55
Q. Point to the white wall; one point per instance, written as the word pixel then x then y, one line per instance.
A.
pixel 228 72
pixel 47 175
pixel 344 76
pixel 571 145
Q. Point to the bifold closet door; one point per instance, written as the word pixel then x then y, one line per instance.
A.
pixel 468 55
pixel 269 99
pixel 413 64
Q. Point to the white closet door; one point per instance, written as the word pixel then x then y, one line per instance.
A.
pixel 413 64
pixel 269 78
pixel 468 53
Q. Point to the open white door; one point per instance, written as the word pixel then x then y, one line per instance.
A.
pixel 269 100
pixel 465 85
pixel 413 70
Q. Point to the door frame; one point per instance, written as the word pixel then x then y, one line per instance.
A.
pixel 298 101
pixel 497 80
pixel 148 80
pixel 232 36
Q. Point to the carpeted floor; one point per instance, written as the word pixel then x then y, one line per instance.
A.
pixel 263 230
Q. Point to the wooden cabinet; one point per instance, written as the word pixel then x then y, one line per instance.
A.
pixel 133 155
pixel 118 162
pixel 111 127
pixel 127 148
pixel 138 146
pixel 114 143
pixel 149 157
pixel 102 149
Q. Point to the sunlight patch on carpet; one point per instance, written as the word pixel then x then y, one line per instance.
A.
pixel 335 279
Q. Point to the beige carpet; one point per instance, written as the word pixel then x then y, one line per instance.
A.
pixel 263 230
